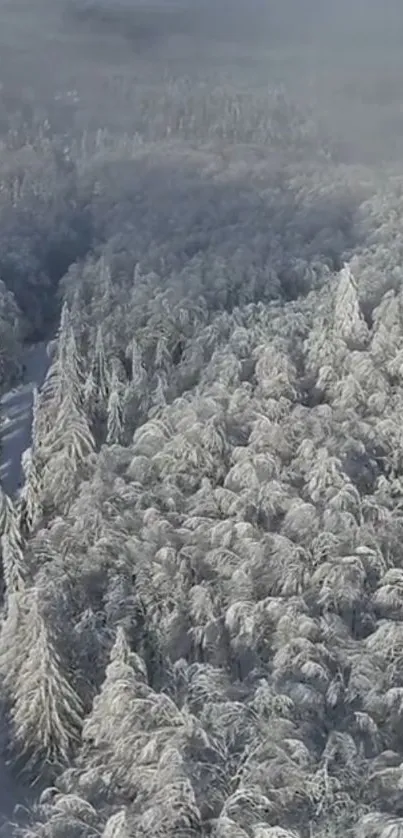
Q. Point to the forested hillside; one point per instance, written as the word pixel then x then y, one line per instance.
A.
pixel 202 575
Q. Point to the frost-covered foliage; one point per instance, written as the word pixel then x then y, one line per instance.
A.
pixel 202 573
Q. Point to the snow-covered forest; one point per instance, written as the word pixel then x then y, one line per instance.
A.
pixel 202 573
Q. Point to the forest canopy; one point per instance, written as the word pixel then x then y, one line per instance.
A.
pixel 202 576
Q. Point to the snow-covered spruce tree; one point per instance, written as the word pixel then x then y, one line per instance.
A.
pixel 100 368
pixel 130 740
pixel 7 512
pixel 38 427
pixel 64 450
pixel 64 374
pixel 13 564
pixel 30 507
pixel 114 408
pixel 349 323
pixel 13 641
pixel 62 435
pixel 107 731
pixel 70 432
pixel 46 711
pixel 12 546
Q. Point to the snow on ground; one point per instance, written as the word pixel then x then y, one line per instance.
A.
pixel 16 417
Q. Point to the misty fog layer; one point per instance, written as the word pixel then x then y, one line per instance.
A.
pixel 341 60
pixel 201 600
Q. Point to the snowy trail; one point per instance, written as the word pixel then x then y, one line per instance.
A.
pixel 16 415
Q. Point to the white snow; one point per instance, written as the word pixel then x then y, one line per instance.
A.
pixel 16 417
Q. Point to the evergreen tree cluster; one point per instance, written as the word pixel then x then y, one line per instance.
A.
pixel 202 608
